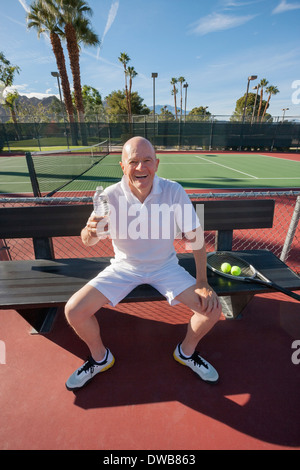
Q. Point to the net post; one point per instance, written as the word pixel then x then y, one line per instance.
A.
pixel 32 174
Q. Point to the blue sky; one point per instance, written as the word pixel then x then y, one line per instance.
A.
pixel 214 44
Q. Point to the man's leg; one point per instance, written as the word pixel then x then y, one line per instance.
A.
pixel 80 312
pixel 199 325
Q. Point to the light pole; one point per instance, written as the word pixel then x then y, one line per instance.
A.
pixel 186 87
pixel 284 110
pixel 56 74
pixel 252 77
pixel 253 112
pixel 154 76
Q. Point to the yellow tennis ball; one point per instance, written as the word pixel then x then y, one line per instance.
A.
pixel 235 271
pixel 226 267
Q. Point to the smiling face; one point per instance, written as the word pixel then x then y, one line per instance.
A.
pixel 139 165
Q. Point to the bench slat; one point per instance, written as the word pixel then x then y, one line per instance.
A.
pixel 43 221
pixel 42 283
pixel 237 214
pixel 61 220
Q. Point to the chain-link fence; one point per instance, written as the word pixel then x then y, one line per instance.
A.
pixel 215 132
pixel 283 239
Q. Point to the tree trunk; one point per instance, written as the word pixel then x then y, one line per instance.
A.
pixel 260 103
pixel 175 102
pixel 14 119
pixel 73 52
pixel 61 65
pixel 266 107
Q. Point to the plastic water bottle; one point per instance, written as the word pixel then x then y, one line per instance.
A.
pixel 101 209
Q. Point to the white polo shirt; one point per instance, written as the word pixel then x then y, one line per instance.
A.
pixel 143 233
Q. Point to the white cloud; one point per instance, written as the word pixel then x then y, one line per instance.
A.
pixel 218 22
pixel 284 6
pixel 231 4
pixel 40 96
pixel 21 89
pixel 24 5
pixel 18 88
pixel 110 19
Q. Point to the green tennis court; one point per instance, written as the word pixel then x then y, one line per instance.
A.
pixel 230 171
pixel 194 171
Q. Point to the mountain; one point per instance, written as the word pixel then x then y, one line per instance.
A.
pixel 46 102
pixel 25 101
pixel 170 108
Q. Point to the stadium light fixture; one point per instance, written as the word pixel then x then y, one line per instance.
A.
pixel 56 74
pixel 284 110
pixel 154 76
pixel 253 112
pixel 186 87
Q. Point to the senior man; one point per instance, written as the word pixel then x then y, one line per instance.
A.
pixel 144 251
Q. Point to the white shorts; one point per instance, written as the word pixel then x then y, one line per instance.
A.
pixel 116 281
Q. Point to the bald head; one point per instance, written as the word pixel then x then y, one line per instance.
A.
pixel 139 165
pixel 137 145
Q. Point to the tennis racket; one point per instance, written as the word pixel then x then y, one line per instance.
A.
pixel 248 272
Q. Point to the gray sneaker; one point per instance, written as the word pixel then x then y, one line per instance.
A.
pixel 201 367
pixel 88 370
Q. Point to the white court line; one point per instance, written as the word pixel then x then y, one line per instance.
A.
pixel 182 163
pixel 228 167
pixel 241 178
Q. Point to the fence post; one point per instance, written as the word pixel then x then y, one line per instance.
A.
pixel 291 231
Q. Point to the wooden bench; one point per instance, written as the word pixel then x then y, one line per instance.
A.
pixel 36 287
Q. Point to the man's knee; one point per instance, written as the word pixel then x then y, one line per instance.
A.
pixel 84 303
pixel 216 313
pixel 212 314
pixel 72 312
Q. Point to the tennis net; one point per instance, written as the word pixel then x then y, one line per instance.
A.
pixel 53 170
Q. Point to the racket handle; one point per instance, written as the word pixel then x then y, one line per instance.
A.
pixel 289 293
pixel 272 285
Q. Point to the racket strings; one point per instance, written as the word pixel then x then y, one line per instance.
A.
pixel 216 260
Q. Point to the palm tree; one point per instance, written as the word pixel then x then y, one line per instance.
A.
pixel 124 59
pixel 174 92
pixel 41 18
pixel 181 81
pixel 10 104
pixel 131 73
pixel 71 18
pixel 272 90
pixel 263 83
pixel 7 75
